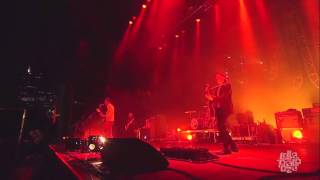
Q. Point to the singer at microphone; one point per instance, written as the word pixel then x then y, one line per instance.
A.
pixel 106 112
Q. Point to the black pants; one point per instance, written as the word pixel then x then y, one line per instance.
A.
pixel 225 137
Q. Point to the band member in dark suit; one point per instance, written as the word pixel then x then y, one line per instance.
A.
pixel 220 98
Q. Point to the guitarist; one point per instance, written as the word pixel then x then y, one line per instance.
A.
pixel 220 98
pixel 130 125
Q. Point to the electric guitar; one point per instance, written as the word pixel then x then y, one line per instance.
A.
pixel 127 126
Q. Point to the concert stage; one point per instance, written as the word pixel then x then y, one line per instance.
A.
pixel 251 162
pixel 183 75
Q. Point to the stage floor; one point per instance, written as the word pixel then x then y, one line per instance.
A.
pixel 259 161
pixel 253 162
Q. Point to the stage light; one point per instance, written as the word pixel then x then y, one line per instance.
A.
pixel 92 147
pixel 29 70
pixel 177 36
pixel 144 6
pixel 178 129
pixel 297 134
pixel 96 143
pixel 198 20
pixel 189 137
pixel 102 139
pixel 130 22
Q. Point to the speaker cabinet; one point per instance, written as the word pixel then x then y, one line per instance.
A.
pixel 289 119
pixel 132 155
pixel 311 124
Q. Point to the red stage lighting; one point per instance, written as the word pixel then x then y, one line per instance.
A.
pixel 198 20
pixel 130 22
pixel 297 134
pixel 144 6
pixel 177 36
pixel 189 137
pixel 178 130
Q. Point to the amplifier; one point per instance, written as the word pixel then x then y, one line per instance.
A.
pixel 311 115
pixel 289 119
pixel 311 123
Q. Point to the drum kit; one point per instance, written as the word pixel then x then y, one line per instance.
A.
pixel 200 119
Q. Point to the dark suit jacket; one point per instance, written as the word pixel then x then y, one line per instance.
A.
pixel 224 98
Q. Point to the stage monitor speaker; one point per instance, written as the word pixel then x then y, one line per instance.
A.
pixel 132 155
pixel 189 154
